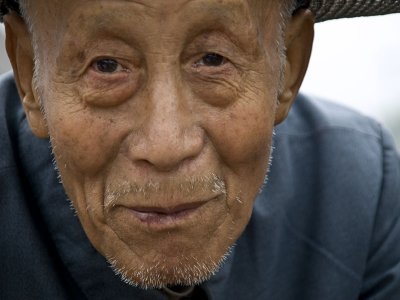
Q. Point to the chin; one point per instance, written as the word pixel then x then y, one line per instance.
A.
pixel 181 270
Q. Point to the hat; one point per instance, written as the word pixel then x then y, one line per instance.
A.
pixel 335 9
pixel 323 9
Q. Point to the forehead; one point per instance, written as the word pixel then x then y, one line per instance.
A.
pixel 62 21
pixel 100 11
pixel 161 5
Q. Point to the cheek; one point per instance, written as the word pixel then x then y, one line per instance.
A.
pixel 241 131
pixel 83 141
pixel 243 136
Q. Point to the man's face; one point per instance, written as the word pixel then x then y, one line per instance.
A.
pixel 160 115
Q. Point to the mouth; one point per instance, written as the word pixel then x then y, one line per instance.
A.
pixel 166 216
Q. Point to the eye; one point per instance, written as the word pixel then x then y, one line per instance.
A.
pixel 108 66
pixel 211 60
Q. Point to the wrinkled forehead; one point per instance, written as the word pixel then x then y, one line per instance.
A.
pixel 151 17
pixel 43 7
pixel 60 10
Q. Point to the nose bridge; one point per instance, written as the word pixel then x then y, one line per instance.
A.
pixel 168 116
pixel 169 134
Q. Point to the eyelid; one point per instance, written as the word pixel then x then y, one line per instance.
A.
pixel 104 89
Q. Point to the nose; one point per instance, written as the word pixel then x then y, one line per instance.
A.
pixel 170 135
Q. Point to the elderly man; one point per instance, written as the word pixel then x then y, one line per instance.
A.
pixel 160 116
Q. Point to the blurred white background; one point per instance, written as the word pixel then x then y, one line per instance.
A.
pixel 4 64
pixel 355 62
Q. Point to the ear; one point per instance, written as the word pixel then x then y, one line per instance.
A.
pixel 299 37
pixel 20 52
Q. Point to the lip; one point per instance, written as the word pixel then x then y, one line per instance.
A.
pixel 160 217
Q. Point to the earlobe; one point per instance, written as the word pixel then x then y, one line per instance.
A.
pixel 35 115
pixel 20 52
pixel 299 36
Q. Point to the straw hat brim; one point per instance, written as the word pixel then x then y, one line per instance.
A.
pixel 336 9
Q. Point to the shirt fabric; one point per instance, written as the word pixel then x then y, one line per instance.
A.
pixel 326 226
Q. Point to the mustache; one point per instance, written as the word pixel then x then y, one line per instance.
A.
pixel 170 188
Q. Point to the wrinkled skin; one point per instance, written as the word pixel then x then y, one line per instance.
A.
pixel 162 145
